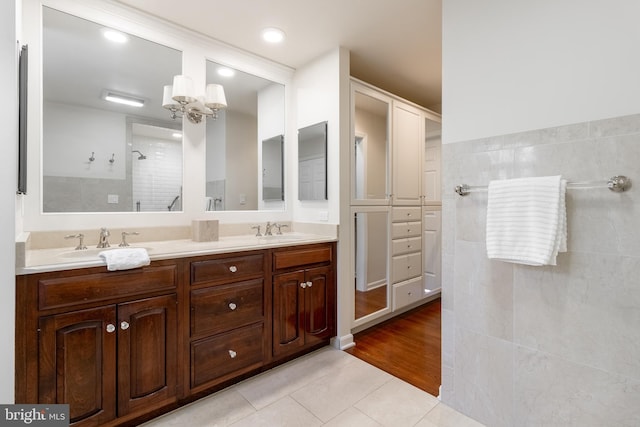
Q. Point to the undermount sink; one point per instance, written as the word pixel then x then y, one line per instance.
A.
pixel 89 253
pixel 288 237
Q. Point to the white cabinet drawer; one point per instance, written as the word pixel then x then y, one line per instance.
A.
pixel 401 230
pixel 406 293
pixel 406 266
pixel 405 214
pixel 404 246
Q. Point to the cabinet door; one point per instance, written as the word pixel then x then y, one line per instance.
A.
pixel 318 301
pixel 407 154
pixel 147 363
pixel 288 312
pixel 77 364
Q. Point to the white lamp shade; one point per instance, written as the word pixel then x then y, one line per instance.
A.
pixel 215 98
pixel 167 100
pixel 183 89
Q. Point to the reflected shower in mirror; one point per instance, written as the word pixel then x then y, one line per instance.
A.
pixel 371 259
pixel 255 112
pixel 312 162
pixel 102 99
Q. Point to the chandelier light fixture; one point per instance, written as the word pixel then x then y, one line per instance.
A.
pixel 181 100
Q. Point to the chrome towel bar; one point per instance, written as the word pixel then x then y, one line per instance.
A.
pixel 618 184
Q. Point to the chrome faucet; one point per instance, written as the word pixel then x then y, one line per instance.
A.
pixel 267 231
pixel 103 239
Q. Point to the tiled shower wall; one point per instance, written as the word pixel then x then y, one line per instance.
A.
pixel 545 346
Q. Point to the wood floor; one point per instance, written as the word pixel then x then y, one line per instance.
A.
pixel 407 346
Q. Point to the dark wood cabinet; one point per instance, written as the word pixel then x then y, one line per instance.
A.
pixel 303 298
pixel 77 364
pixel 228 319
pixel 86 355
pixel 107 342
pixel 121 346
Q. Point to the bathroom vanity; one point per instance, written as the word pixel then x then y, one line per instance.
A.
pixel 124 346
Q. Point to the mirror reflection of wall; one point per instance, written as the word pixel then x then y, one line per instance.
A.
pixel 371 148
pixel 255 112
pixel 371 259
pixel 86 140
pixel 273 168
pixel 312 162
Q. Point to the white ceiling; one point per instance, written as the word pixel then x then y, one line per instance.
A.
pixel 395 45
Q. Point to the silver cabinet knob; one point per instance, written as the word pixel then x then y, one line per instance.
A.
pixel 232 354
pixel 309 284
pixel 232 306
pixel 303 285
pixel 124 325
pixel 110 328
pixel 233 269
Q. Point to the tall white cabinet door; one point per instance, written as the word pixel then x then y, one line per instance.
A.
pixel 408 131
pixel 432 156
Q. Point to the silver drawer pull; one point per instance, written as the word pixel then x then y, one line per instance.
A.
pixel 110 328
pixel 309 284
pixel 232 306
pixel 233 269
pixel 124 325
pixel 303 285
pixel 232 354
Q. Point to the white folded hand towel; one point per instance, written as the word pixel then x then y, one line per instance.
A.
pixel 125 258
pixel 527 220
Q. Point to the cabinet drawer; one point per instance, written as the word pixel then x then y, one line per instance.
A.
pixel 406 293
pixel 227 269
pixel 406 214
pixel 404 246
pixel 406 266
pixel 300 257
pixel 401 230
pixel 231 352
pixel 221 308
pixel 85 288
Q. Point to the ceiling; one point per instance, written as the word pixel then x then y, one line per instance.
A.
pixel 395 45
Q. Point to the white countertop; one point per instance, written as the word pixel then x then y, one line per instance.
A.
pixel 43 260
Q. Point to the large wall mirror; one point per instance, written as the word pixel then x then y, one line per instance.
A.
pixel 371 262
pixel 370 156
pixel 254 120
pixel 107 143
pixel 312 162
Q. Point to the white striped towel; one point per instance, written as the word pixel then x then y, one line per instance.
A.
pixel 527 220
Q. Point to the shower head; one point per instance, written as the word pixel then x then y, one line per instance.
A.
pixel 141 156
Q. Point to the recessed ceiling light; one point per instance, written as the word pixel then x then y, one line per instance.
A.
pixel 114 36
pixel 273 35
pixel 226 72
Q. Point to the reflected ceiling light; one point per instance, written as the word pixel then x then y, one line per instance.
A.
pixel 226 72
pixel 181 100
pixel 273 35
pixel 121 98
pixel 114 36
pixel 176 135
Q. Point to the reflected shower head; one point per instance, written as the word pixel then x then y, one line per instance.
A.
pixel 141 156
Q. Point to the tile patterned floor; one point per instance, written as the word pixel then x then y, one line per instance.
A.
pixel 325 388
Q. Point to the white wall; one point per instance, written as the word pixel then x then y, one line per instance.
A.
pixel 517 65
pixel 8 171
pixel 317 93
pixel 534 89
